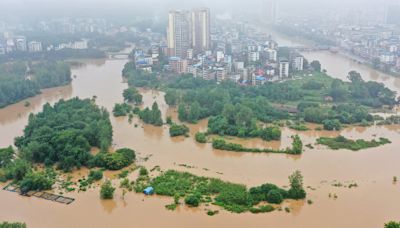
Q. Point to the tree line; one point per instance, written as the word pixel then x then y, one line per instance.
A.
pixel 16 83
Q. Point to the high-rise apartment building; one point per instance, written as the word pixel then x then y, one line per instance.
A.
pixel 201 29
pixel 179 33
pixel 268 11
pixel 392 13
pixel 188 30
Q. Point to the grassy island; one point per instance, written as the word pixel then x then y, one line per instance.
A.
pixel 341 142
pixel 195 190
pixel 221 144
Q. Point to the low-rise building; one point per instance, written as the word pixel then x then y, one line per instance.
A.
pixel 34 46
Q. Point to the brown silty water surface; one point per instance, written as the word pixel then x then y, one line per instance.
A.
pixel 373 203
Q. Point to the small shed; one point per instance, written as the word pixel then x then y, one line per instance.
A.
pixel 148 191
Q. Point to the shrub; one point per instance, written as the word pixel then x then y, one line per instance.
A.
pixel 96 175
pixel 274 196
pixel 296 190
pixel 262 209
pixel 123 174
pixel 234 194
pixel 17 170
pixel 178 130
pixel 143 171
pixel 121 109
pixel 192 200
pixel 212 213
pixel 297 145
pixel 12 225
pixel 171 207
pixel 114 161
pixel 6 156
pixel 392 224
pixel 107 190
pixel 35 182
pixel 332 125
pixel 201 137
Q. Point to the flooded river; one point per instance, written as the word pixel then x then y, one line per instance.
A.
pixel 373 203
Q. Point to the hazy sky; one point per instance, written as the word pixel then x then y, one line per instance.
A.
pixel 17 9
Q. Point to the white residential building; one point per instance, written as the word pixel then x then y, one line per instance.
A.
pixel 297 63
pixel 35 46
pixel 283 69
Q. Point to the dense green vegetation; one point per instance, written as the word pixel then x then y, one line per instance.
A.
pixel 6 156
pixel 341 142
pixel 221 144
pixel 233 197
pixel 392 224
pixel 16 84
pixel 36 181
pixel 121 158
pixel 201 137
pixel 121 109
pixel 239 122
pixel 107 190
pixel 178 130
pixel 95 175
pixel 132 95
pixel 151 116
pixel 64 134
pixel 238 110
pixel 139 78
pixel 12 225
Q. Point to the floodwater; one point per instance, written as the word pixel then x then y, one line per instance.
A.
pixel 373 203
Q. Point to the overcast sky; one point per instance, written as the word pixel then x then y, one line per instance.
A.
pixel 111 8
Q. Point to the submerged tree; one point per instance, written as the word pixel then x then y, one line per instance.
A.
pixel 107 190
pixel 296 190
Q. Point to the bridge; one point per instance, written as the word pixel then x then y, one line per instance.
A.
pixel 118 55
pixel 310 49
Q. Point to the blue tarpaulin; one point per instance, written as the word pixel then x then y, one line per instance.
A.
pixel 148 191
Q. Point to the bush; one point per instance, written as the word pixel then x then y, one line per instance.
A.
pixel 296 190
pixel 332 125
pixel 6 156
pixel 121 109
pixel 201 137
pixel 178 130
pixel 35 182
pixel 12 225
pixel 143 171
pixel 392 224
pixel 96 175
pixel 274 196
pixel 114 161
pixel 107 190
pixel 192 200
pixel 17 170
pixel 262 209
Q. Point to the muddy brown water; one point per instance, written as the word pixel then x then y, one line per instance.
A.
pixel 373 203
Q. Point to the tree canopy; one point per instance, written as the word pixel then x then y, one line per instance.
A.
pixel 64 134
pixel 16 84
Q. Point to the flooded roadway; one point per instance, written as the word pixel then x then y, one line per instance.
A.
pixel 372 204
